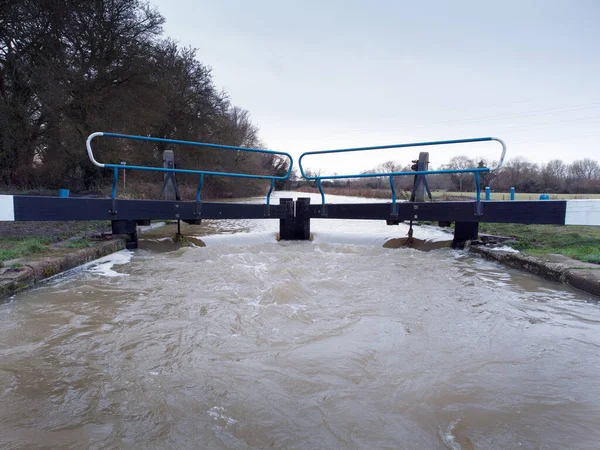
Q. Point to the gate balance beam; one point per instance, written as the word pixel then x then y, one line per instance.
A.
pixel 33 208
pixel 559 212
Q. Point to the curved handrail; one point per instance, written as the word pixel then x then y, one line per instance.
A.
pixel 116 167
pixel 196 144
pixel 416 144
pixel 475 170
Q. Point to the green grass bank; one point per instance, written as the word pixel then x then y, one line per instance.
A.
pixel 578 242
pixel 20 239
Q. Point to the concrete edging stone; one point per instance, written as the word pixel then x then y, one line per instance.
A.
pixel 580 275
pixel 31 270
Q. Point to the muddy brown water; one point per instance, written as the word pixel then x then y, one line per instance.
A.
pixel 251 343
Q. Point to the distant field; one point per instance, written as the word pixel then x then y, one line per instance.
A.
pixel 518 196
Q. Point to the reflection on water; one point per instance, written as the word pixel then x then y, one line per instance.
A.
pixel 299 345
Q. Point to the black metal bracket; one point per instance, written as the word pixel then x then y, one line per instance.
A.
pixel 324 210
pixel 197 213
pixel 478 209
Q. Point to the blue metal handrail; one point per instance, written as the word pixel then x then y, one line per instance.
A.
pixel 391 175
pixel 116 167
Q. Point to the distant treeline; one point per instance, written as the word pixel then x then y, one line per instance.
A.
pixel 71 67
pixel 580 177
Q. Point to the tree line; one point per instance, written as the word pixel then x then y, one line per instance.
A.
pixel 70 67
pixel 580 177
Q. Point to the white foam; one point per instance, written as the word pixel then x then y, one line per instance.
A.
pixel 104 266
pixel 504 248
pixel 237 239
pixel 350 238
pixel 296 308
pixel 448 437
pixel 152 226
pixel 218 414
pixel 162 239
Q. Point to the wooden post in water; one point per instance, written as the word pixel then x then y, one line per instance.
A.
pixel 302 225
pixel 128 227
pixel 463 232
pixel 467 231
pixel 296 225
pixel 286 225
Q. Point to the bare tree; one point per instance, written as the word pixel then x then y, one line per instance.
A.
pixel 585 169
pixel 553 175
pixel 521 174
pixel 460 179
pixel 584 176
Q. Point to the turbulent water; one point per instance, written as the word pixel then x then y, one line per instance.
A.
pixel 336 343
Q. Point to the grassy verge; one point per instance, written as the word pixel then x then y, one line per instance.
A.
pixel 19 239
pixel 578 242
pixel 16 247
pixel 83 242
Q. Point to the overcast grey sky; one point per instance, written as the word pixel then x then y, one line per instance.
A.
pixel 331 74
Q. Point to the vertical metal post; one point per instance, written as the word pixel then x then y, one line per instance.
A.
pixel 123 163
pixel 270 191
pixel 169 188
pixel 198 206
pixel 199 190
pixel 113 194
pixel 512 193
pixel 394 204
pixel 487 193
pixel 323 205
pixel 422 165
pixel 478 209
